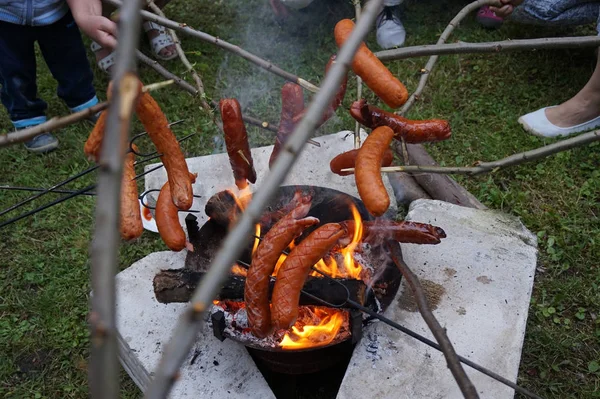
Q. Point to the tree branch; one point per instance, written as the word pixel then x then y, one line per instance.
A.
pixel 431 63
pixel 185 332
pixel 486 167
pixel 465 385
pixel 489 47
pixel 104 365
pixel 184 28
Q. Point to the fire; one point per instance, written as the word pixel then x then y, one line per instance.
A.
pixel 238 270
pixel 256 238
pixel 243 198
pixel 306 336
pixel 281 259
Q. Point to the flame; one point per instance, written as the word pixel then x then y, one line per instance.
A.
pixel 323 333
pixel 243 198
pixel 282 258
pixel 238 270
pixel 353 268
pixel 256 238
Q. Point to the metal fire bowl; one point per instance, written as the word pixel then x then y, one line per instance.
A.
pixel 329 206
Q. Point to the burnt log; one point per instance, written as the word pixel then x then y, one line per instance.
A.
pixel 178 285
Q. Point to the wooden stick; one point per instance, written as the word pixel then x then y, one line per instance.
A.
pixel 447 32
pixel 490 47
pixel 185 332
pixel 466 386
pixel 104 365
pixel 487 167
pixel 184 28
pixel 63 121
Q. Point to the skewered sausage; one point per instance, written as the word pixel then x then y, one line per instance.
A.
pixel 167 220
pixel 413 132
pixel 375 75
pixel 256 292
pixel 406 232
pixel 157 126
pixel 93 144
pixel 368 171
pixel 131 219
pixel 236 141
pixel 292 104
pixel 295 269
pixel 347 160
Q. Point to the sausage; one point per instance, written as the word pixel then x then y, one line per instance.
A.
pixel 236 140
pixel 372 71
pixel 368 171
pixel 131 219
pixel 256 290
pixel 157 126
pixel 414 132
pixel 335 103
pixel 405 232
pixel 93 144
pixel 295 269
pixel 292 104
pixel 347 160
pixel 167 220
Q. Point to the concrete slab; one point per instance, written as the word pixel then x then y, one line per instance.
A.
pixel 481 277
pixel 212 369
pixel 311 168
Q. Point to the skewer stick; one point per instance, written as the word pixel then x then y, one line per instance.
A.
pixel 184 28
pixel 185 332
pixel 243 156
pixel 487 167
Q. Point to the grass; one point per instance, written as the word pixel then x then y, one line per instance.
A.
pixel 44 273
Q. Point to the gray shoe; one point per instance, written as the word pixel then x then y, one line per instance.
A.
pixel 390 31
pixel 42 144
pixel 94 118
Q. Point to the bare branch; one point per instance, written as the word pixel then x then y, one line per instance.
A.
pixel 431 63
pixel 104 365
pixel 490 47
pixel 183 28
pixel 466 386
pixel 486 167
pixel 185 332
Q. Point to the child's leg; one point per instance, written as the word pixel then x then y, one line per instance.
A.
pixel 18 77
pixel 65 55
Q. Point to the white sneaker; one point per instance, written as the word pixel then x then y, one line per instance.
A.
pixel 390 31
pixel 538 124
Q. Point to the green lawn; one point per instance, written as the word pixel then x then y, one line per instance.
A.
pixel 44 267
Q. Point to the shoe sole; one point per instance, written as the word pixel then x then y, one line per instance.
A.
pixel 43 149
pixel 529 130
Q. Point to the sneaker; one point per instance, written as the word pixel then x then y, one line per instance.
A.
pixel 42 144
pixel 390 31
pixel 94 118
pixel 488 19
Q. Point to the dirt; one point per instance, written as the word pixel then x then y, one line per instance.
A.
pixel 448 271
pixel 484 279
pixel 433 292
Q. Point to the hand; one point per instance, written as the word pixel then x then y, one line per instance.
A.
pixel 507 7
pixel 101 29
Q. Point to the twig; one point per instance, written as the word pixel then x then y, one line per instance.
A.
pixel 183 58
pixel 104 365
pixel 516 159
pixel 185 332
pixel 60 122
pixel 465 385
pixel 184 28
pixel 490 47
pixel 431 63
pixel 158 85
pixel 357 11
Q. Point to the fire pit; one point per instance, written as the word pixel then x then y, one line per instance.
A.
pixel 323 336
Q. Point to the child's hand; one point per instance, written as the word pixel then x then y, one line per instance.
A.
pixel 88 15
pixel 507 7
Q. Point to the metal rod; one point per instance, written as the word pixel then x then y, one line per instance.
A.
pixel 23 188
pixel 104 365
pixel 185 332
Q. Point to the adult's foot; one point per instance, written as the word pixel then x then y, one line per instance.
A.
pixel 390 31
pixel 573 112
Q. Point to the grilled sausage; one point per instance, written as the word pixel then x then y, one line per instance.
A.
pixel 167 220
pixel 292 104
pixel 131 219
pixel 157 126
pixel 405 232
pixel 295 269
pixel 335 103
pixel 368 171
pixel 347 160
pixel 236 141
pixel 413 132
pixel 256 292
pixel 93 144
pixel 375 75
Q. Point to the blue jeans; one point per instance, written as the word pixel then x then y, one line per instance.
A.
pixel 558 12
pixel 65 55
